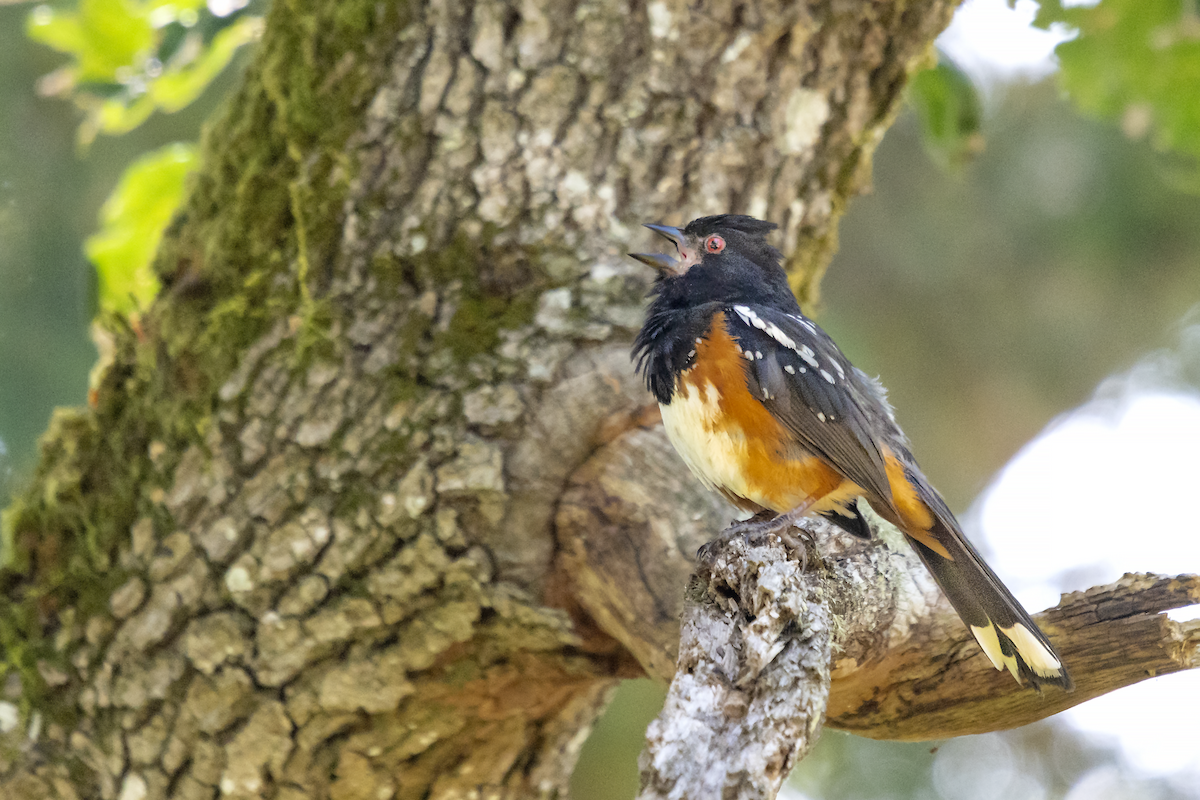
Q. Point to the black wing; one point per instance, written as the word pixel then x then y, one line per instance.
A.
pixel 838 413
pixel 851 520
pixel 804 380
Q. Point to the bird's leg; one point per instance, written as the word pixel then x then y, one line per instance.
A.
pixel 761 524
pixel 757 525
pixel 766 515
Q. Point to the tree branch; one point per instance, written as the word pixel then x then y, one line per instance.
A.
pixel 938 684
pixel 752 680
pixel 904 667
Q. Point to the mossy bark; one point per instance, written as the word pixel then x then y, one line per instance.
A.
pixel 302 543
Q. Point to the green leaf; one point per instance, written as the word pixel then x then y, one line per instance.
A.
pixel 130 58
pixel 179 86
pixel 104 36
pixel 1136 62
pixel 947 104
pixel 132 221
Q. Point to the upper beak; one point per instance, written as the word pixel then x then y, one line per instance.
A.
pixel 674 234
pixel 661 262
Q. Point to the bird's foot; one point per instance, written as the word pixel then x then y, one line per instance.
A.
pixel 762 524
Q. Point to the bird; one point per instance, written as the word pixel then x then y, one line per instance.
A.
pixel 765 409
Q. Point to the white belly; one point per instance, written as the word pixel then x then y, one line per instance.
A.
pixel 715 454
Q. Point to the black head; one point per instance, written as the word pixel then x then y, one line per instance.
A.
pixel 723 259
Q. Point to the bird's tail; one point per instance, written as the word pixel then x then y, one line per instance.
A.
pixel 1004 630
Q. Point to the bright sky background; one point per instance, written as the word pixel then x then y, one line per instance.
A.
pixel 1056 518
pixel 994 42
pixel 1056 509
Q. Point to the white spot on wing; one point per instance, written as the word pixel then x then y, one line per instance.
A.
pixel 827 376
pixel 808 355
pixel 789 369
pixel 772 330
pixel 804 321
pixel 750 317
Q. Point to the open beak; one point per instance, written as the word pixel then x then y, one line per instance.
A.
pixel 661 262
pixel 674 234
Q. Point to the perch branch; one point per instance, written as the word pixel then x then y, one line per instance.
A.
pixel 903 665
pixel 752 681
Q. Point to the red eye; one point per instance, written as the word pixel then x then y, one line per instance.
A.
pixel 714 244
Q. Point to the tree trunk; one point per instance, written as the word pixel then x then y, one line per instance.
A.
pixel 303 542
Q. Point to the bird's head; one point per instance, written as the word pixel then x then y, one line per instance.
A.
pixel 725 258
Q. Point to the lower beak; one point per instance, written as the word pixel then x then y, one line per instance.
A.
pixel 661 262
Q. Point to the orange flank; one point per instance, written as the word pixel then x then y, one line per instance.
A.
pixel 914 513
pixel 733 442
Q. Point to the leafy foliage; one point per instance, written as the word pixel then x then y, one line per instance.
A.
pixel 1136 61
pixel 132 58
pixel 132 222
pixel 947 104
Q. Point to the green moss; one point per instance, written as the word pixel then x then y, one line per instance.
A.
pixel 476 325
pixel 263 212
pixel 412 330
pixel 461 672
pixel 268 200
pixel 58 547
pixel 313 341
pixel 354 497
pixel 498 288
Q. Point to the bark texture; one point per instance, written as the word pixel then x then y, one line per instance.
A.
pixel 303 544
pixel 752 681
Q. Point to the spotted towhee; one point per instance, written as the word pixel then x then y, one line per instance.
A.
pixel 765 408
